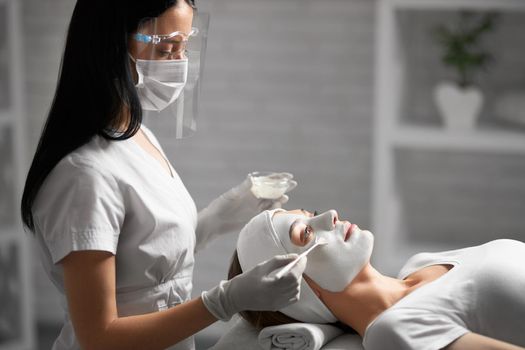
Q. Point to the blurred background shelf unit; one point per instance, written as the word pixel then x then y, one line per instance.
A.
pixel 435 188
pixel 16 304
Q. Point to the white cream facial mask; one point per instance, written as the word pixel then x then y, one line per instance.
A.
pixel 333 266
pixel 258 242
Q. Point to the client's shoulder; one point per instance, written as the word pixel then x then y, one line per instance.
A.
pixel 383 332
pixel 410 328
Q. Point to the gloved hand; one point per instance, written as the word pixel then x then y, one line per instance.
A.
pixel 232 210
pixel 256 289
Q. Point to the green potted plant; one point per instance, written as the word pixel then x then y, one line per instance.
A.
pixel 459 102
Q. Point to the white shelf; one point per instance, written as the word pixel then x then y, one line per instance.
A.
pixel 393 246
pixel 484 140
pixel 500 5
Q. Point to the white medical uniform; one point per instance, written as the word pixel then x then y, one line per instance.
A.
pixel 114 196
pixel 483 293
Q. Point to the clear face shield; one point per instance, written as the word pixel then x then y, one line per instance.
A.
pixel 169 58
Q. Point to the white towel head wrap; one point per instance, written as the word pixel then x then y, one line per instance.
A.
pixel 258 241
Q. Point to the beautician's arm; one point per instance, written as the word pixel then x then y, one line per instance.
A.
pixel 90 288
pixel 479 342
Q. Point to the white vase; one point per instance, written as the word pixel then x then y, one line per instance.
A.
pixel 459 107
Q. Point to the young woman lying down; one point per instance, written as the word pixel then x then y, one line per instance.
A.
pixel 470 298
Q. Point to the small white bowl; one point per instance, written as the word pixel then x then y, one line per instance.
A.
pixel 270 185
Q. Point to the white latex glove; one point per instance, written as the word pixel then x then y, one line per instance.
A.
pixel 256 289
pixel 232 210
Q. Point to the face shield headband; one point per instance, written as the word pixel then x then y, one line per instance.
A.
pixel 169 66
pixel 257 242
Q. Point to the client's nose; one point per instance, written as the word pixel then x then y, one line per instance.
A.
pixel 327 220
pixel 335 216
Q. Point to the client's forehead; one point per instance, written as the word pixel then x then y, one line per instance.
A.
pixel 293 212
pixel 286 221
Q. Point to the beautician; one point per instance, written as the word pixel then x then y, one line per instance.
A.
pixel 116 228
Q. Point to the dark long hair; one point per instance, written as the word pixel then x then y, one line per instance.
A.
pixel 95 86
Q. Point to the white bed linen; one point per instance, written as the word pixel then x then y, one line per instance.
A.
pixel 240 336
pixel 345 342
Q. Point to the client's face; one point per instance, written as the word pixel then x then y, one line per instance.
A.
pixel 333 266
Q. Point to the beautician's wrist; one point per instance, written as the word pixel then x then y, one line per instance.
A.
pixel 218 302
pixel 210 223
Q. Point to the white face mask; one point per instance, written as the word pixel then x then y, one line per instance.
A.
pixel 258 242
pixel 334 265
pixel 160 82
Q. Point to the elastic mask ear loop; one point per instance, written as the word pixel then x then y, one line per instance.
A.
pixel 132 58
pixel 134 68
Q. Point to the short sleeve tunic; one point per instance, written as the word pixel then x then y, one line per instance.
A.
pixel 484 293
pixel 113 196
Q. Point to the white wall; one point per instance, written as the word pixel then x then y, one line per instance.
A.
pixel 44 24
pixel 288 87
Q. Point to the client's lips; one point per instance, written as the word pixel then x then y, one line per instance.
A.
pixel 348 230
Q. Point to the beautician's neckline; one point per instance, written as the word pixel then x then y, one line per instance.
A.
pixel 150 158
